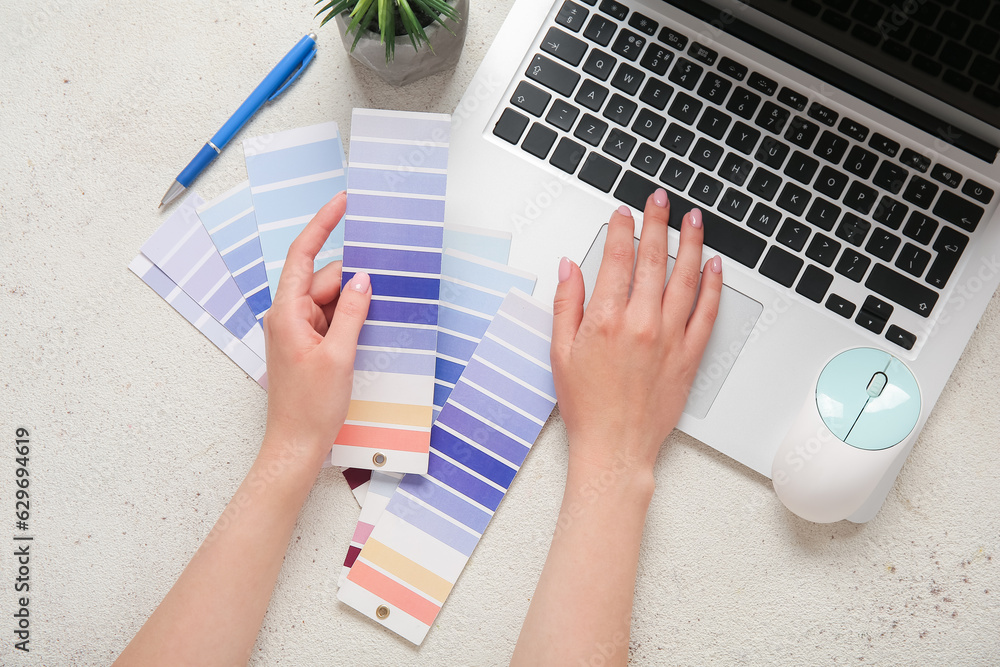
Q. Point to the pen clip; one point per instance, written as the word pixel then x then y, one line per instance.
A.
pixel 294 75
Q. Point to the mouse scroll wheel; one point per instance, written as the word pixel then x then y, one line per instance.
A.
pixel 877 384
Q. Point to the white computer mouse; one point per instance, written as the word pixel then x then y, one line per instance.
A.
pixel 851 432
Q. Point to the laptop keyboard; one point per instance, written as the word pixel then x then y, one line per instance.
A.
pixel 803 194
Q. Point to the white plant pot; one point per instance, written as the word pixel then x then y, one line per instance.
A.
pixel 409 65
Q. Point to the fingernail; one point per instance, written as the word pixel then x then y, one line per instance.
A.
pixel 716 264
pixel 360 282
pixel 625 210
pixel 565 266
pixel 660 197
pixel 695 218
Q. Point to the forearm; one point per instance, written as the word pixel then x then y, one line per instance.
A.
pixel 583 603
pixel 213 612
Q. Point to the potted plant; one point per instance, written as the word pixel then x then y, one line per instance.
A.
pixel 401 40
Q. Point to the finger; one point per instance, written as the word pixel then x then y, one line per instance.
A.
pixel 651 258
pixel 352 309
pixel 699 327
pixel 615 274
pixel 682 287
pixel 296 276
pixel 326 284
pixel 567 308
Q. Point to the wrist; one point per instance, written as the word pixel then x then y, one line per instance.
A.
pixel 290 458
pixel 619 480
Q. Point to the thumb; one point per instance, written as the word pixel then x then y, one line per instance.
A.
pixel 567 308
pixel 352 309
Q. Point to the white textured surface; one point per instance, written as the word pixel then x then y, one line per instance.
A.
pixel 142 430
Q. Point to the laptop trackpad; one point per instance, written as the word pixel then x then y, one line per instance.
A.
pixel 738 314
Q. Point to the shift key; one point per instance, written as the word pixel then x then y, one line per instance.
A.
pixel 551 74
pixel 897 287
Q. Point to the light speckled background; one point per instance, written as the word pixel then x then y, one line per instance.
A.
pixel 142 429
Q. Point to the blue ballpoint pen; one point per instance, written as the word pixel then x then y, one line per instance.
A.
pixel 282 76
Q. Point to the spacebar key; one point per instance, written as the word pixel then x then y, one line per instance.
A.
pixel 902 290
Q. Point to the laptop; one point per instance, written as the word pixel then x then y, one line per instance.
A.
pixel 844 153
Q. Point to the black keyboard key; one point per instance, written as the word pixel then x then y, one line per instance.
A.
pixel 643 23
pixel 793 99
pixel 771 152
pixel 853 265
pixel 801 132
pixel 600 172
pixel 853 229
pixel 943 174
pixel 743 138
pixel 920 227
pixel 873 323
pixel 840 305
pixel 531 99
pixel 877 307
pixel 781 266
pixel 703 53
pixel 648 124
pixel 764 219
pixel 920 192
pixel 958 211
pixel 866 34
pixel 890 212
pixel 853 129
pixel 898 288
pixel 567 155
pixel 685 108
pixel 913 259
pixel 882 244
pixel 674 40
pixel 591 94
pixel 615 9
pixel 764 184
pixel 628 44
pixel 830 147
pixel 735 169
pixel 705 189
pixel 831 182
pixel 627 79
pixel 647 159
pixel 732 69
pixel 793 199
pixel 600 30
pixel 599 64
pixel 539 140
pixel 552 75
pixel 590 129
pixel 743 103
pixel 714 123
pixel 677 139
pixel 860 162
pixel 814 283
pixel 657 59
pixel 685 73
pixel 884 144
pixel 772 117
pixel 900 337
pixel 913 159
pixel 823 114
pixel 761 83
pixel 510 126
pixel 564 46
pixel 801 167
pixel 726 238
pixel 980 193
pixel 619 144
pixel 735 204
pixel 860 197
pixel 950 245
pixel 677 174
pixel 656 93
pixel 562 115
pixel 823 214
pixel 823 249
pixel 714 88
pixel 793 234
pixel 571 16
pixel 890 177
pixel 620 109
pixel 897 50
